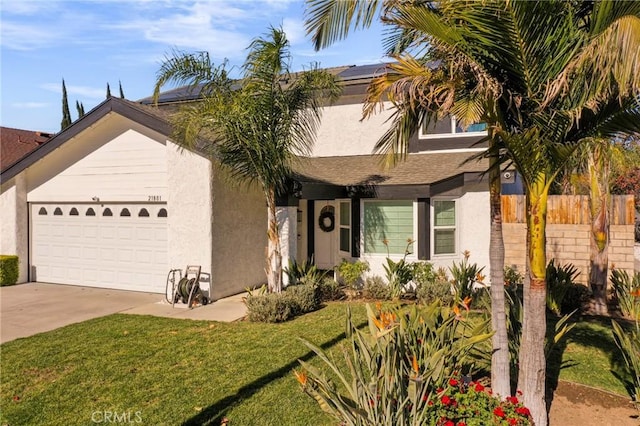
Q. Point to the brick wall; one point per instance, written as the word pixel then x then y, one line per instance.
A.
pixel 569 243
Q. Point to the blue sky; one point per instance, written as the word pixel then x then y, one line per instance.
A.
pixel 92 43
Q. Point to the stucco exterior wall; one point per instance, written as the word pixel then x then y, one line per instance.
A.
pixel 14 222
pixel 115 160
pixel 239 226
pixel 342 132
pixel 570 244
pixel 288 236
pixel 189 201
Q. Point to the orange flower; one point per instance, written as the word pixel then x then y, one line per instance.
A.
pixel 636 292
pixel 414 365
pixel 466 254
pixel 467 302
pixel 301 377
pixel 480 278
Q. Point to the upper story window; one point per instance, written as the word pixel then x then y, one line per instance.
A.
pixel 449 127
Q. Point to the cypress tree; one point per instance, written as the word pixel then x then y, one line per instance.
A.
pixel 66 115
pixel 108 91
pixel 121 91
pixel 80 109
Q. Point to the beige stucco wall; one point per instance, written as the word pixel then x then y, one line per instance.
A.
pixel 239 226
pixel 14 222
pixel 570 244
pixel 189 201
pixel 342 132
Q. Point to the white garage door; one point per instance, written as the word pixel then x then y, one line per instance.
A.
pixel 120 246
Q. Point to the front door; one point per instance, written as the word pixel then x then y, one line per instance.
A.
pixel 325 234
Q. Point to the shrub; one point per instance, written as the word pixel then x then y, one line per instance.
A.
pixel 423 272
pixel 393 367
pixel 9 269
pixel 627 292
pixel 472 404
pixel 351 272
pixel 303 298
pixel 329 289
pixel 559 279
pixel 577 298
pixel 270 307
pixel 375 288
pixel 429 292
pixel 304 273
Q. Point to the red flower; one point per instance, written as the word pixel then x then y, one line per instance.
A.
pixel 479 387
pixel 519 393
pixel 430 403
pixel 523 411
pixel 16 398
pixel 499 412
pixel 449 423
pixel 453 382
pixel 461 424
pixel 512 399
pixel 446 400
pixel 513 422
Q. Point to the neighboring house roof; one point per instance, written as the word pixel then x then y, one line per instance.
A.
pixel 148 116
pixel 17 143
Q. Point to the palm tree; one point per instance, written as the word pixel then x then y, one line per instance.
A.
pixel 563 72
pixel 257 128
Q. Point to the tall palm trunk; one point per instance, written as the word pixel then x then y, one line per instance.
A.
pixel 274 256
pixel 500 375
pixel 599 199
pixel 531 377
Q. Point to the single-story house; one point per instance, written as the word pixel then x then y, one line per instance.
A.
pixel 112 201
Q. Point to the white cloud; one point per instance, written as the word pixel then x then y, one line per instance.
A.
pixel 294 29
pixel 30 105
pixel 19 36
pixel 84 91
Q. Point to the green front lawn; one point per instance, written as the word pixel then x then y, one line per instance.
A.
pixel 160 371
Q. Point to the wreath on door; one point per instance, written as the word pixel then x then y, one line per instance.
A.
pixel 327 221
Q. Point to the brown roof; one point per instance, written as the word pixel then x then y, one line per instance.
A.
pixel 17 143
pixel 367 169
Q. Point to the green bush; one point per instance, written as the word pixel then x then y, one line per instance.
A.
pixel 394 366
pixel 375 288
pixel 303 298
pixel 423 272
pixel 270 307
pixel 9 269
pixel 304 273
pixel 559 279
pixel 329 289
pixel 351 272
pixel 465 276
pixel 577 297
pixel 429 292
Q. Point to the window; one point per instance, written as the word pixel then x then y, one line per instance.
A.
pixel 162 213
pixel 42 211
pixel 390 222
pixel 448 127
pixel 444 227
pixel 73 212
pixel 107 212
pixel 143 213
pixel 345 226
pixel 90 212
pixel 125 212
pixel 57 212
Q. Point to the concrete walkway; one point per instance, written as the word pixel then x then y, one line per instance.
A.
pixel 32 308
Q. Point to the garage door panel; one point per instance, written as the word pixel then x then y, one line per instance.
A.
pixel 120 252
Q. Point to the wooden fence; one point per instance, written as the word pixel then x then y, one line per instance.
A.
pixel 569 209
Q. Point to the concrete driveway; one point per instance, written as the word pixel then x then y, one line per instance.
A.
pixel 28 309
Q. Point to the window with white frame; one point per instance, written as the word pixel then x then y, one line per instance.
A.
pixel 388 226
pixel 345 226
pixel 444 227
pixel 449 127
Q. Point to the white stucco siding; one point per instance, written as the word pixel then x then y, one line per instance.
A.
pixel 114 160
pixel 342 132
pixel 239 236
pixel 189 199
pixel 14 222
